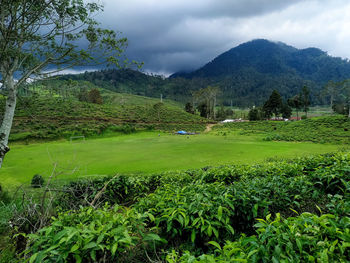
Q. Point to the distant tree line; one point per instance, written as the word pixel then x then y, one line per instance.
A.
pixel 276 107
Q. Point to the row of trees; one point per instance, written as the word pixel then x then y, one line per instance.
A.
pixel 275 106
pixel 206 100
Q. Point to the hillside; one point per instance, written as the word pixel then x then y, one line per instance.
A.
pixel 54 116
pixel 248 73
pixel 326 129
pixel 136 82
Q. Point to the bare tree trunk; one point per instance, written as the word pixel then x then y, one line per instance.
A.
pixel 332 99
pixel 6 124
pixel 214 106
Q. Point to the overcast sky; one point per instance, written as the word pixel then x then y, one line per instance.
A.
pixel 173 35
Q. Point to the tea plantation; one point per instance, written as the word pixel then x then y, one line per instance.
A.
pixel 295 210
pixel 325 129
pixel 50 118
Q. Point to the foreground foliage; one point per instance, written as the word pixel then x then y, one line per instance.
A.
pixel 282 211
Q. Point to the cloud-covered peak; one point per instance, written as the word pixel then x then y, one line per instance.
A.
pixel 173 35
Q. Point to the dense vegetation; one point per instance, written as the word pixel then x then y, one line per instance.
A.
pixel 282 211
pixel 248 73
pixel 331 129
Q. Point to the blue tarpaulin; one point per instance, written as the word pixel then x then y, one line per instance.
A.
pixel 182 132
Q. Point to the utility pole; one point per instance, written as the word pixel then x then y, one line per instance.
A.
pixel 161 97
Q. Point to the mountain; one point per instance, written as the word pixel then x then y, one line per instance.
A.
pixel 248 73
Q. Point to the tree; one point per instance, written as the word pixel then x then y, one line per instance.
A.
pixel 273 105
pixel 295 103
pixel 207 96
pixel 254 114
pixel 345 94
pixel 331 90
pixel 189 108
pixel 221 114
pixel 42 36
pixel 286 111
pixel 203 109
pixel 305 99
pixel 94 96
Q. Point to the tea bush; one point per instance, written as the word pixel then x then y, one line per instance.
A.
pixel 305 238
pixel 213 213
pixel 89 235
pixel 331 129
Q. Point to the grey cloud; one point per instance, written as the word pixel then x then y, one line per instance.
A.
pixel 172 35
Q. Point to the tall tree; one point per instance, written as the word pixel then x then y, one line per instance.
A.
pixel 273 105
pixel 345 94
pixel 295 103
pixel 305 99
pixel 331 89
pixel 189 108
pixel 43 35
pixel 208 96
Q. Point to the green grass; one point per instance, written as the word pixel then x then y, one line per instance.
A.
pixel 144 152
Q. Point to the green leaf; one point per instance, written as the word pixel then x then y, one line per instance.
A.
pixel 193 235
pixel 151 217
pixel 215 244
pixel 220 213
pixel 100 238
pixel 33 257
pixel 74 248
pixel 77 258
pixel 90 245
pixel 299 244
pixel 251 253
pixel 210 230
pixel 255 210
pixel 114 248
pixel 275 260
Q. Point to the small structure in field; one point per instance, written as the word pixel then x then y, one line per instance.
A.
pixel 185 133
pixel 233 120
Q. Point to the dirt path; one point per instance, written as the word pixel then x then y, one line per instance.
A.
pixel 209 126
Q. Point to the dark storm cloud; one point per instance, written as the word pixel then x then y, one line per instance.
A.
pixel 172 35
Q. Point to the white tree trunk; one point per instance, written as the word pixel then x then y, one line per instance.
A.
pixel 9 113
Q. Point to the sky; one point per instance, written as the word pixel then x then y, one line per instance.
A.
pixel 181 35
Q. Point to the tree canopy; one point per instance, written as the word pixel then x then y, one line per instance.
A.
pixel 38 37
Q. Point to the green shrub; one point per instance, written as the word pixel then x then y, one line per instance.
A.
pixel 305 238
pixel 37 181
pixel 90 235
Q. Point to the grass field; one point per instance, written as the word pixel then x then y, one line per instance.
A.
pixel 142 153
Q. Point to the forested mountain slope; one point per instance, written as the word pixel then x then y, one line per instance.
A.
pixel 246 75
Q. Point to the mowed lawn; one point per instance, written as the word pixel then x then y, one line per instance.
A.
pixel 145 152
